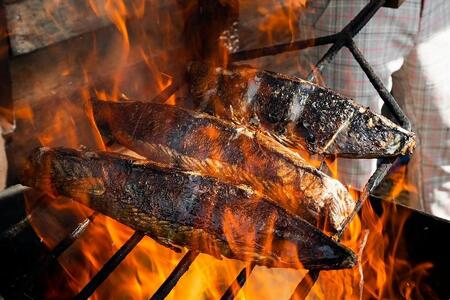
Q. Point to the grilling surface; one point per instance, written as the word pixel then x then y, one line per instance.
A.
pixel 337 40
pixel 205 174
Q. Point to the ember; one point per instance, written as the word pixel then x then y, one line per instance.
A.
pixel 191 194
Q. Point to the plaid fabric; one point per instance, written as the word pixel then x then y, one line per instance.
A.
pixel 409 49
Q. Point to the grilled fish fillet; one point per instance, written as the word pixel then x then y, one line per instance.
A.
pixel 179 208
pixel 315 117
pixel 236 154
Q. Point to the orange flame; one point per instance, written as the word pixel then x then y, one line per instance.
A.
pixel 382 272
pixel 284 16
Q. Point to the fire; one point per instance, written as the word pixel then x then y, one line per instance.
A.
pixel 207 278
pixel 401 183
pixel 382 272
pixel 150 263
pixel 163 81
pixel 285 15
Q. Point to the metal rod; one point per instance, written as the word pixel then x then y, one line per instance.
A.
pixel 349 31
pixel 15 229
pixel 24 279
pixel 110 265
pixel 282 48
pixel 175 275
pixel 238 283
pixel 132 242
pixel 12 191
pixel 373 182
pixel 304 287
pixel 378 84
pixel 363 17
pixel 20 226
pixel 73 236
pixel 167 92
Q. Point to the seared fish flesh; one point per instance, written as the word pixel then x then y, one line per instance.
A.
pixel 185 209
pixel 309 115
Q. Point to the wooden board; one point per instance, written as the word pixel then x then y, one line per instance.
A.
pixel 34 24
pixel 84 60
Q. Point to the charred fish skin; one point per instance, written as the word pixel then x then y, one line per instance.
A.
pixel 185 209
pixel 211 146
pixel 325 122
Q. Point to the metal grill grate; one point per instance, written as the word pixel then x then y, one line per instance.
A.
pixel 338 41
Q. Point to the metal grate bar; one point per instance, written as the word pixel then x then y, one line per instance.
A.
pixel 378 84
pixel 13 191
pixel 55 253
pixel 132 242
pixel 110 265
pixel 349 31
pixel 167 92
pixel 176 274
pixel 282 48
pixel 341 39
pixel 76 233
pixel 304 287
pixel 238 283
